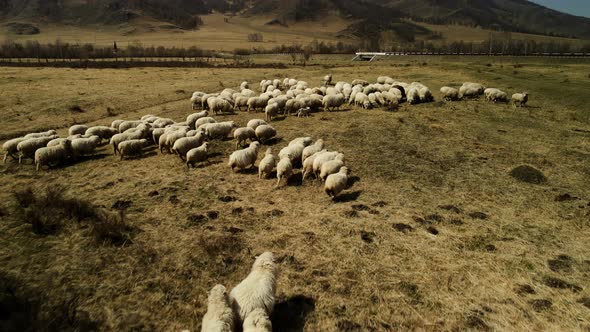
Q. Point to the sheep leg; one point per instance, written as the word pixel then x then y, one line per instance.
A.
pixel 38 164
pixel 278 181
pixel 20 157
pixel 121 156
pixel 5 156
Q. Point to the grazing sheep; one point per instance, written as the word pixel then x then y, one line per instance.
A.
pixel 184 144
pixel 219 316
pixel 471 90
pixel 271 111
pixel 204 120
pixel 267 164
pixel 425 95
pixel 294 151
pixel 133 134
pixel 265 132
pixel 327 80
pixel 41 134
pixel 284 168
pixel 360 99
pixel 358 81
pixel 413 95
pixel 312 149
pixel 132 147
pixel 308 164
pixel 330 167
pixel 241 102
pixel 244 85
pixel 77 130
pixel 257 291
pixel 245 158
pixel 243 134
pixel 84 146
pixel 191 119
pixel 220 130
pixel 325 157
pixel 27 147
pixel 337 182
pixel 10 149
pixel 495 95
pixel 196 99
pixel 52 154
pixel 520 99
pixel 257 321
pixel 60 140
pixel 449 93
pixel 303 112
pixel 219 105
pixel 129 124
pixel 197 155
pixel 254 123
pixel 156 133
pixel 255 103
pixel 292 105
pixel 333 101
pixel 305 141
pixel 104 132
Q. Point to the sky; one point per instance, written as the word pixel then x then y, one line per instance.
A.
pixel 576 7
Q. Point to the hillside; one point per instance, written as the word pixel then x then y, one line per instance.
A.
pixel 201 22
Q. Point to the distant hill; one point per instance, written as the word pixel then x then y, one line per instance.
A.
pixel 367 17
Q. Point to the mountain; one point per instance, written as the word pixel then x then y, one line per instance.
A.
pixel 367 17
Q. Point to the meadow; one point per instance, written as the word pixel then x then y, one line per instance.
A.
pixel 433 234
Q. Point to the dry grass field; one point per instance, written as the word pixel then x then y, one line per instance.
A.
pixel 434 234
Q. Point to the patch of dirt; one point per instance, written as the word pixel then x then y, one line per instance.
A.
pixel 490 248
pixel 153 193
pixel 368 237
pixel 351 214
pixel 528 174
pixel 233 230
pixel 565 197
pixel 174 199
pixel 348 326
pixel 562 263
pixel 196 218
pixel 456 222
pixel 451 208
pixel 274 213
pixel 212 215
pixel 561 284
pixel 379 204
pixel 479 215
pixel 432 230
pixel 474 320
pixel 360 207
pixel 404 228
pixel 525 289
pixel 434 218
pixel 237 211
pixel 227 199
pixel 541 304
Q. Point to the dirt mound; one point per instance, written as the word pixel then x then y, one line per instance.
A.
pixel 529 174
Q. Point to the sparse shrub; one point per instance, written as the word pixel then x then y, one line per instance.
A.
pixel 48 211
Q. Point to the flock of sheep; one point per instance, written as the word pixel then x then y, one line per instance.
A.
pixel 190 140
pixel 249 304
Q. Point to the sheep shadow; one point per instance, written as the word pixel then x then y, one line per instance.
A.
pixel 340 110
pixel 295 180
pixel 272 141
pixel 290 314
pixel 144 155
pixel 279 118
pixel 250 171
pixel 352 180
pixel 347 197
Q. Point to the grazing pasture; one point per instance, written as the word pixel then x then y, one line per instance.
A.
pixel 439 229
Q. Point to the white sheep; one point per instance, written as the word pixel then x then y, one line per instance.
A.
pixel 77 129
pixel 10 149
pixel 197 155
pixel 241 102
pixel 204 120
pixel 129 124
pixel 325 157
pixel 308 164
pixel 244 85
pixel 333 101
pixel 163 122
pixel 337 182
pixel 267 164
pixel 84 146
pixel 292 105
pixel 220 130
pixel 284 168
pixel 104 132
pixel 449 93
pixel 196 99
pixel 132 147
pixel 294 151
pixel 361 99
pixel 255 123
pixel 52 154
pixel 303 112
pixel 359 81
pixel 495 95
pixel 191 119
pixel 245 158
pixel 219 316
pixel 27 147
pixel 265 132
pixel 257 291
pixel 257 321
pixel 312 149
pixel 41 134
pixel 305 141
pixel 134 133
pixel 60 140
pixel 185 144
pixel 219 105
pixel 271 111
pixel 116 123
pixel 241 135
pixel 330 167
pixel 327 80
pixel 520 99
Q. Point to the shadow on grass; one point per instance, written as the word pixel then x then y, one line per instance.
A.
pixel 347 197
pixel 295 180
pixel 290 314
pixel 272 141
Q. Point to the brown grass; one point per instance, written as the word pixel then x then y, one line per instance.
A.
pixel 344 265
